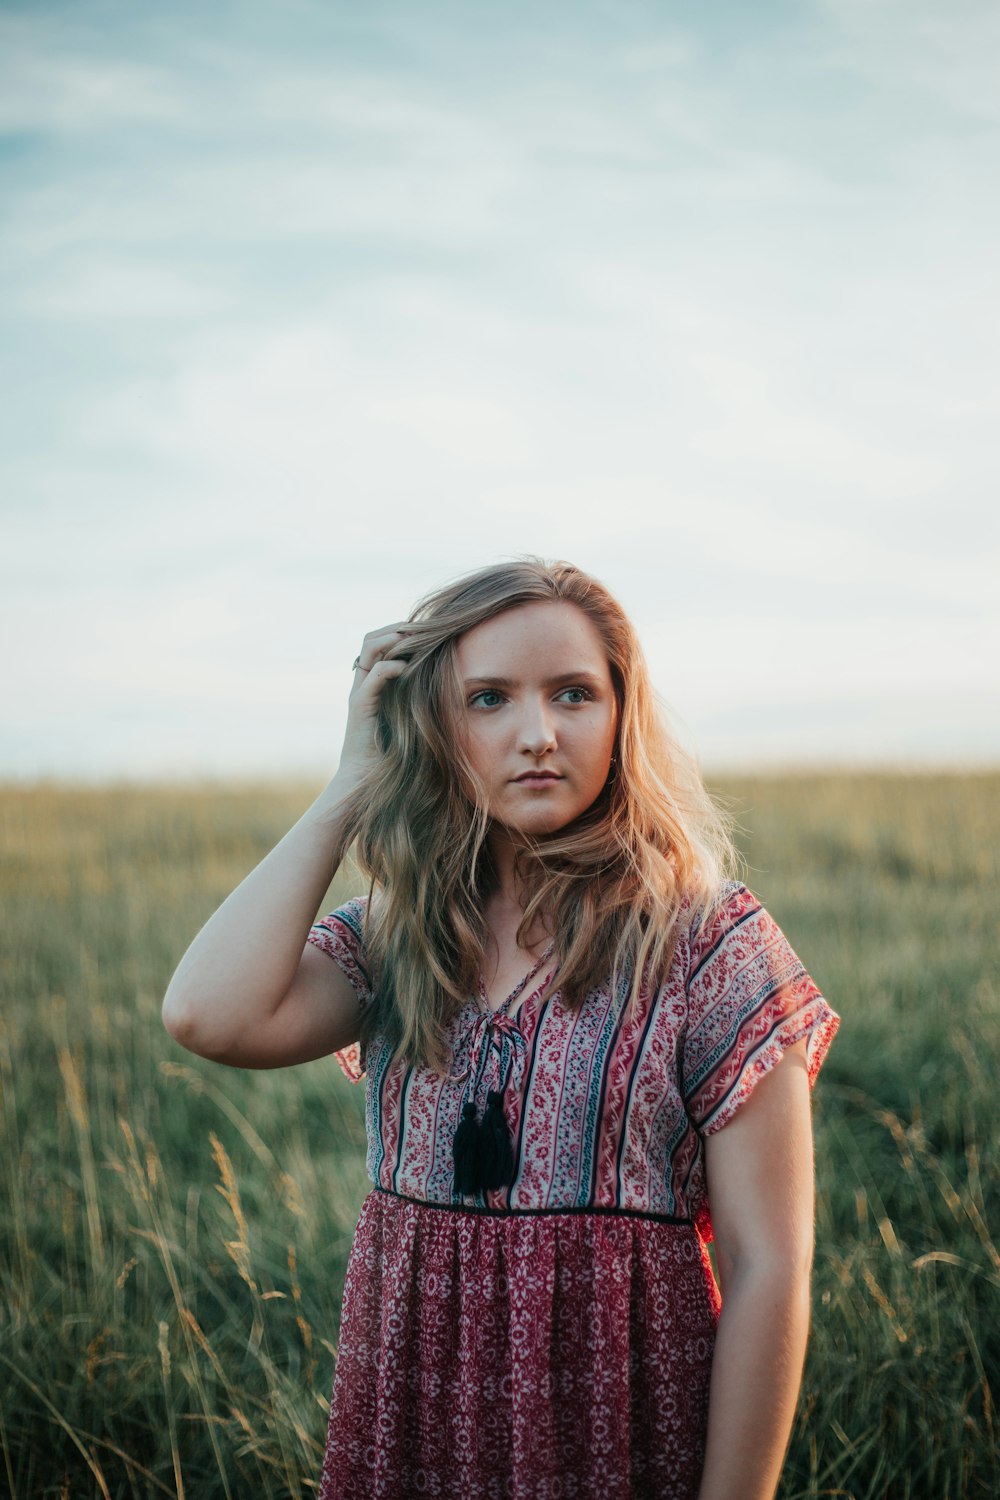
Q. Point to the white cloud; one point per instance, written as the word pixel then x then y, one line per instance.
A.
pixel 401 115
pixel 119 289
pixel 263 197
pixel 756 418
pixel 777 691
pixel 291 416
pixel 455 426
pixel 952 53
pixel 46 86
pixel 649 306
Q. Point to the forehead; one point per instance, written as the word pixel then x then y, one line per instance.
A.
pixel 546 634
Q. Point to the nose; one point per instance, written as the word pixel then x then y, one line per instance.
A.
pixel 536 731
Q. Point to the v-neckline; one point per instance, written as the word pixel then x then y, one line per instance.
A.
pixel 504 1007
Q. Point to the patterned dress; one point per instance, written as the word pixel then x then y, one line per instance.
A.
pixel 553 1339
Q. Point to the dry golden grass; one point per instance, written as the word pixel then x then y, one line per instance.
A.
pixel 173 1234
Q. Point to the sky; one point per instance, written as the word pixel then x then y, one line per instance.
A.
pixel 308 308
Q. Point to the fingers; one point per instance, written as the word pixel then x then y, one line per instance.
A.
pixel 382 669
pixel 373 669
pixel 377 645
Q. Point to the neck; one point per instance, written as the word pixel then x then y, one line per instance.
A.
pixel 506 894
pixel 504 907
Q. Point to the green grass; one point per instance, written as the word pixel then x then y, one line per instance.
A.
pixel 173 1234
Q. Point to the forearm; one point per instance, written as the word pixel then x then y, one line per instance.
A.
pixel 757 1365
pixel 243 960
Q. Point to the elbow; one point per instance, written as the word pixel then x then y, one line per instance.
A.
pixel 180 1020
pixel 783 1288
pixel 176 1019
pixel 789 1262
pixel 198 1029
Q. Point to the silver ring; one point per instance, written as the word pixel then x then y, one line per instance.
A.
pixel 355 663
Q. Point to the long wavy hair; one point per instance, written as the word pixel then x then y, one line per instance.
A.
pixel 613 885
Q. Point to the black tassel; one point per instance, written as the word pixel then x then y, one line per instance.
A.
pixel 497 1154
pixel 484 1155
pixel 466 1151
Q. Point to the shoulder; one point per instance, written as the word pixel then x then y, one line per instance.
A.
pixel 343 928
pixel 355 910
pixel 734 903
pixel 352 913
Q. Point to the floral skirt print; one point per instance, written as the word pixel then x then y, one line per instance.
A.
pixel 554 1337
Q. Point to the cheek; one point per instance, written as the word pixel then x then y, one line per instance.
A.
pixel 480 750
pixel 604 736
pixel 468 741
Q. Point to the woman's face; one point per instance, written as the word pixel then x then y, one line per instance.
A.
pixel 538 697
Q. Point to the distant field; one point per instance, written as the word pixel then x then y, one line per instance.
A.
pixel 173 1234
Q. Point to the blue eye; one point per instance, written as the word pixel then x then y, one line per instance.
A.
pixel 492 693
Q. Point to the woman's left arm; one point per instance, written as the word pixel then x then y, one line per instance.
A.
pixel 761 1192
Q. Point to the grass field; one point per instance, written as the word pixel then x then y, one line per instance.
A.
pixel 173 1234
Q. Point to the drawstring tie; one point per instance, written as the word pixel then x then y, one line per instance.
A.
pixel 483 1150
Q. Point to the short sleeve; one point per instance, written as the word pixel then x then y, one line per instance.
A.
pixel 340 935
pixel 748 1000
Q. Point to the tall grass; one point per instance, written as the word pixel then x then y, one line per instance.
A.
pixel 173 1234
pixel 887 887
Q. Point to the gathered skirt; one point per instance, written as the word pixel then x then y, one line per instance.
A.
pixel 521 1355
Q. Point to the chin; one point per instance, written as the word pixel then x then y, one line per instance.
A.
pixel 552 821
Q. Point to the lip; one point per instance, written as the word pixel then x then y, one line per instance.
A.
pixel 538 776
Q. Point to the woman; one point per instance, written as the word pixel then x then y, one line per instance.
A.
pixel 587 1052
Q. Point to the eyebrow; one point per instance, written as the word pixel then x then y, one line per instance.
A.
pixel 577 675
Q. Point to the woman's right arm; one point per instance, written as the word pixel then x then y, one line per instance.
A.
pixel 250 991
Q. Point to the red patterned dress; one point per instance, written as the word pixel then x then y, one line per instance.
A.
pixel 553 1339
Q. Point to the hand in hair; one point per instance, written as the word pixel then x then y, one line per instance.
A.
pixel 251 991
pixel 374 667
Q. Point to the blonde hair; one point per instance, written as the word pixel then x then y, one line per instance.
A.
pixel 613 885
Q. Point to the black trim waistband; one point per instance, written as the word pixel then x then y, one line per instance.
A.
pixel 509 1213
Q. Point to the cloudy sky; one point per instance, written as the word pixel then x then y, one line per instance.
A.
pixel 309 307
